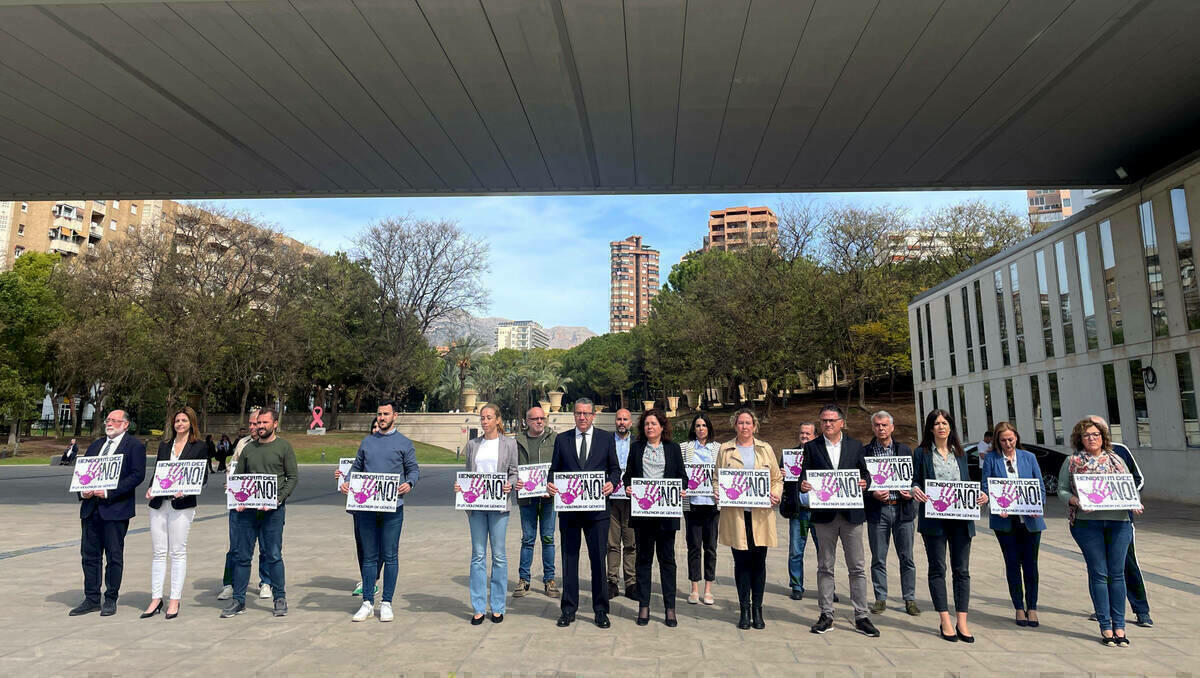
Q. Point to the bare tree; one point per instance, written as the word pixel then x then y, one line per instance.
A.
pixel 801 222
pixel 427 270
pixel 959 236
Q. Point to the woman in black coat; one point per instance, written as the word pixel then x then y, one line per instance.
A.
pixel 171 521
pixel 653 455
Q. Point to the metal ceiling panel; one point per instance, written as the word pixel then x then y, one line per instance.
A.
pixel 655 33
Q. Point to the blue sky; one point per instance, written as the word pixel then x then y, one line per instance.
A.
pixel 549 254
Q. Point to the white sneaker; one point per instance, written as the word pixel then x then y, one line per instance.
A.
pixel 226 593
pixel 365 611
pixel 385 612
pixel 264 592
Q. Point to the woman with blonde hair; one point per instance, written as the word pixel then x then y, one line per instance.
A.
pixel 749 532
pixel 170 521
pixel 492 452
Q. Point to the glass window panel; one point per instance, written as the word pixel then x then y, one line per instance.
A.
pixel 1154 277
pixel 998 280
pixel 1018 323
pixel 1187 260
pixel 950 336
pixel 1141 410
pixel 987 404
pixel 962 409
pixel 1064 297
pixel 966 306
pixel 1056 409
pixel 1044 303
pixel 1012 403
pixel 1187 399
pixel 1112 300
pixel 929 338
pixel 920 344
pixel 1039 428
pixel 983 358
pixel 1114 406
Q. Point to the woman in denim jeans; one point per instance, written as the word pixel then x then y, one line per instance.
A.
pixel 1104 535
pixel 492 452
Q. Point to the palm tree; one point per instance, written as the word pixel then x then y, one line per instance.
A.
pixel 464 351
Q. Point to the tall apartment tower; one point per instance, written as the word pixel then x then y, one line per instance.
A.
pixel 522 335
pixel 634 270
pixel 736 228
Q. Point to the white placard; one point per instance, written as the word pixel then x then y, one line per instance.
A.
pixel 252 491
pixel 619 491
pixel 835 489
pixel 656 498
pixel 374 491
pixel 97 473
pixel 793 463
pixel 185 477
pixel 1015 496
pixel 1107 491
pixel 531 480
pixel 744 487
pixel 952 499
pixel 344 464
pixel 579 491
pixel 481 492
pixel 890 473
pixel 700 479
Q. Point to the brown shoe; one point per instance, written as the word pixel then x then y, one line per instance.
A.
pixel 521 590
pixel 552 589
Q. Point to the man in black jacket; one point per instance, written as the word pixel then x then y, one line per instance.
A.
pixel 890 514
pixel 830 451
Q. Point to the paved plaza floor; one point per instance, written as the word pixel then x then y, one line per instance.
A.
pixel 40 580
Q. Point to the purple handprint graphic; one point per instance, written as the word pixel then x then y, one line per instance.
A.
pixel 368 489
pixel 1006 497
pixel 574 485
pixel 89 473
pixel 694 477
pixel 241 494
pixel 650 496
pixel 828 488
pixel 1099 492
pixel 940 504
pixel 475 491
pixel 534 479
pixel 740 483
pixel 172 476
pixel 882 475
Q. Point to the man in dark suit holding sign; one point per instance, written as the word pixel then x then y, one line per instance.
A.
pixel 105 514
pixel 584 448
pixel 831 451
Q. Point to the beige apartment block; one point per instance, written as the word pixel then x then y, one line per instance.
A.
pixel 634 271
pixel 70 227
pixel 736 228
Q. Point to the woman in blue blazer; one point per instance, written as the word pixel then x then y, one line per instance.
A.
pixel 941 457
pixel 1019 536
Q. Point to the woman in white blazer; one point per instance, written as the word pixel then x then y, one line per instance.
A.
pixel 492 452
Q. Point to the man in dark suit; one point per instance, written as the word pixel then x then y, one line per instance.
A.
pixel 831 451
pixel 890 515
pixel 105 516
pixel 69 454
pixel 584 448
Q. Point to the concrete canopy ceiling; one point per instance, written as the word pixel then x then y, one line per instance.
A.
pixel 421 97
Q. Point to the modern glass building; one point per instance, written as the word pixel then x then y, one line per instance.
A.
pixel 1099 314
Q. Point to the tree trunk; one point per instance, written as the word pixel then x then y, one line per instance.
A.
pixel 203 411
pixel 891 386
pixel 331 424
pixel 12 433
pixel 83 403
pixel 245 399
pixel 862 392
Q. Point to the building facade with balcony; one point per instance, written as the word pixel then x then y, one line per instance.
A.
pixel 633 283
pixel 522 335
pixel 70 227
pixel 736 228
pixel 1097 314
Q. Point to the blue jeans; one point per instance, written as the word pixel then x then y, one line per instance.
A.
pixel 267 528
pixel 379 533
pixel 901 533
pixel 798 530
pixel 1104 544
pixel 264 577
pixel 488 526
pixel 537 510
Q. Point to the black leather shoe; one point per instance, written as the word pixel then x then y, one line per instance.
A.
pixel 108 608
pixel 476 621
pixel 670 619
pixel 797 595
pixel 151 613
pixel 756 618
pixel 602 620
pixel 963 638
pixel 565 620
pixel 643 619
pixel 497 618
pixel 84 608
pixel 952 638
pixel 744 620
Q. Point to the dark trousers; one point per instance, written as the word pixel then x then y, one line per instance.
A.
pixel 1135 585
pixel 959 544
pixel 264 577
pixel 750 569
pixel 651 539
pixel 1020 549
pixel 701 534
pixel 575 531
pixel 267 528
pixel 105 538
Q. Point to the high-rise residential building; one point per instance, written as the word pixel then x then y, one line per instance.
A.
pixel 634 270
pixel 522 335
pixel 736 228
pixel 1050 205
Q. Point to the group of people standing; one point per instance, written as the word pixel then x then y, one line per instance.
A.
pixel 614 537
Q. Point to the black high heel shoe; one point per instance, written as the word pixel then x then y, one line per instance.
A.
pixel 642 621
pixel 964 638
pixel 172 615
pixel 952 638
pixel 670 619
pixel 158 608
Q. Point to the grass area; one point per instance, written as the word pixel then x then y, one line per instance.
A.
pixel 39 451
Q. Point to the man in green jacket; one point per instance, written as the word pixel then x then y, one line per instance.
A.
pixel 535 445
pixel 268 454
